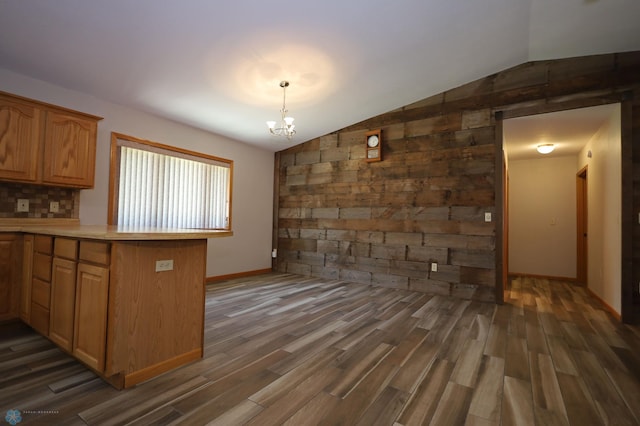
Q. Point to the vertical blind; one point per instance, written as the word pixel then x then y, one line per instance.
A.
pixel 160 190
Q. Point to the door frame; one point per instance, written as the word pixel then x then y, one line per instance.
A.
pixel 582 223
pixel 630 303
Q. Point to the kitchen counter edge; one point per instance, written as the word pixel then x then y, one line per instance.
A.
pixel 116 233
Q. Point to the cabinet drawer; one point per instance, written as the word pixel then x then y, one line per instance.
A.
pixel 95 252
pixel 43 244
pixel 40 319
pixel 41 293
pixel 42 266
pixel 66 248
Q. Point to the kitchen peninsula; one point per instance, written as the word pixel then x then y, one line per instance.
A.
pixel 127 302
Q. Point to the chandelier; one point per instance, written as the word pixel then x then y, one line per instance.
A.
pixel 286 126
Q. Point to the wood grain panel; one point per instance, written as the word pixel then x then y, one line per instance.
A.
pixel 62 308
pixel 41 293
pixel 27 278
pixel 42 266
pixel 10 275
pixel 90 315
pixel 65 248
pixel 98 252
pixel 19 136
pixel 69 149
pixel 43 244
pixel 149 326
pixel 40 318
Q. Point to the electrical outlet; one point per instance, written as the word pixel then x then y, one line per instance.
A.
pixel 54 207
pixel 434 267
pixel 164 265
pixel 487 216
pixel 23 205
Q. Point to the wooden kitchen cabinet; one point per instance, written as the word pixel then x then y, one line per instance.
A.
pixel 155 317
pixel 45 144
pixel 69 150
pixel 61 310
pixel 10 271
pixel 41 283
pixel 90 326
pixel 19 139
pixel 63 292
pixel 27 278
pixel 100 295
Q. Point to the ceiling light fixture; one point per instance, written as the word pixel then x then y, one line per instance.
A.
pixel 545 148
pixel 287 128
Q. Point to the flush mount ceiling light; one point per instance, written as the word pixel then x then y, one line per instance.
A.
pixel 545 148
pixel 287 128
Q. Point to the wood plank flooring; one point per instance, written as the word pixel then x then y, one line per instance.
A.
pixel 292 350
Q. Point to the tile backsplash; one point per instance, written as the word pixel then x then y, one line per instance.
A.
pixel 39 198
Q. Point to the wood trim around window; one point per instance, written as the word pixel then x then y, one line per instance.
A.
pixel 114 169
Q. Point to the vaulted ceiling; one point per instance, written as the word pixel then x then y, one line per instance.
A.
pixel 217 65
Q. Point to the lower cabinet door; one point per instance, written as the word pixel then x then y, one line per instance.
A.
pixel 90 330
pixel 63 296
pixel 10 257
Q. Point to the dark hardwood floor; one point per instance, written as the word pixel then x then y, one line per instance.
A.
pixel 285 349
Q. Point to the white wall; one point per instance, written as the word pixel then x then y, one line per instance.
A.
pixel 604 198
pixel 250 247
pixel 542 217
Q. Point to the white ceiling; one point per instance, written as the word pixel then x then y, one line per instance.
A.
pixel 217 65
pixel 569 131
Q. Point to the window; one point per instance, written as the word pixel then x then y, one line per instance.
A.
pixel 155 185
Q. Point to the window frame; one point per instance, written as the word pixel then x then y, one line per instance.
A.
pixel 147 145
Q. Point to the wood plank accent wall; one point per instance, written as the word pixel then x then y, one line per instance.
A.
pixel 383 223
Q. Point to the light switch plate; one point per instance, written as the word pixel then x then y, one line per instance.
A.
pixel 487 216
pixel 54 206
pixel 434 267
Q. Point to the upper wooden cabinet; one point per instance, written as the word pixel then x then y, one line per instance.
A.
pixel 69 150
pixel 45 144
pixel 19 140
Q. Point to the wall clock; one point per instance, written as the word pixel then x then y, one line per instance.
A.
pixel 373 145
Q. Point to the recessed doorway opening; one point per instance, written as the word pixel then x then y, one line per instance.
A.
pixel 557 226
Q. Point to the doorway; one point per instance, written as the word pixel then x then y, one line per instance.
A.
pixel 597 264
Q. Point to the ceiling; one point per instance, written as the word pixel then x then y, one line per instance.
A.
pixel 569 131
pixel 217 65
